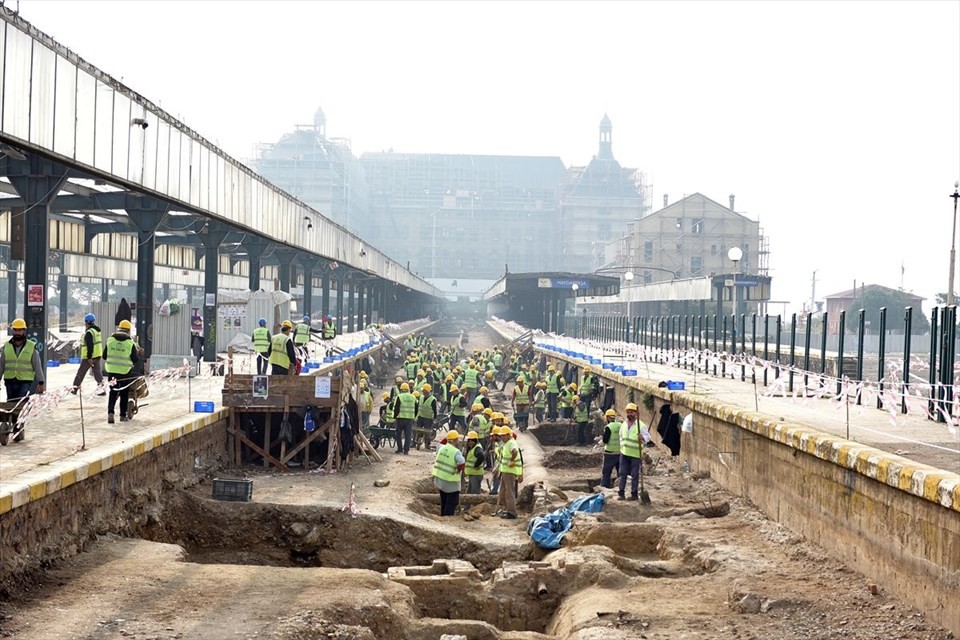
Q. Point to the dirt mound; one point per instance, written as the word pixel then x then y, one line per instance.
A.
pixel 567 459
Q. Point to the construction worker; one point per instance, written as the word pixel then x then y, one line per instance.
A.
pixel 386 411
pixel 405 410
pixel 555 385
pixel 540 401
pixel 611 447
pixel 565 401
pixel 588 387
pixel 395 389
pixel 582 418
pixel 20 365
pixel 281 354
pixel 91 353
pixel 458 409
pixel 427 413
pixel 329 329
pixel 122 356
pixel 521 403
pixel 493 456
pixel 301 337
pixel 474 464
pixel 447 468
pixel 471 382
pixel 261 343
pixel 484 397
pixel 511 473
pixel 365 402
pixel 633 437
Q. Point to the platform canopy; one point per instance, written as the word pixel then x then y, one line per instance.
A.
pixel 537 300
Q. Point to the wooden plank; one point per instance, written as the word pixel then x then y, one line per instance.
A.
pixel 267 458
pixel 243 383
pixel 306 441
pixel 367 448
pixel 286 417
pixel 266 439
pixel 247 402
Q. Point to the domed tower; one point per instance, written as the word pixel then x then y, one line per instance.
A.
pixel 606 139
pixel 320 122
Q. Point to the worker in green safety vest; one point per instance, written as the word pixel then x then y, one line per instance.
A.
pixel 282 355
pixel 261 344
pixel 447 468
pixel 20 365
pixel 511 472
pixel 405 411
pixel 475 463
pixel 582 418
pixel 611 447
pixel 122 355
pixel 633 437
pixel 91 354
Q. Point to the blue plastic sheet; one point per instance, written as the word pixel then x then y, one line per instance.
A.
pixel 547 531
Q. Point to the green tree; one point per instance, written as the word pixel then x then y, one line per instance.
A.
pixel 873 299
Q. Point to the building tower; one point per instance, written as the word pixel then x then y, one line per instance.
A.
pixel 606 139
pixel 320 123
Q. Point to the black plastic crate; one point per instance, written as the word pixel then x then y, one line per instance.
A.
pixel 234 490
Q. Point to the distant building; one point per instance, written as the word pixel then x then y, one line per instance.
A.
pixel 837 302
pixel 597 201
pixel 688 239
pixel 320 171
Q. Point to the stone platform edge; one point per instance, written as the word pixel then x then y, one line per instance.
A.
pixel 33 485
pixel 923 481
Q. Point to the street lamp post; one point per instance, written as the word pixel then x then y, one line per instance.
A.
pixel 953 242
pixel 735 254
pixel 628 276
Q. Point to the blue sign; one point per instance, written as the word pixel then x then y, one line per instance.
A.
pixel 747 281
pixel 562 283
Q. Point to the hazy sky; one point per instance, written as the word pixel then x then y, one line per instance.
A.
pixel 836 124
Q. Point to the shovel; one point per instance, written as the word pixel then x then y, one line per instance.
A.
pixel 644 496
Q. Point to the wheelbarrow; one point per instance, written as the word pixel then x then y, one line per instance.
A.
pixel 138 391
pixel 9 414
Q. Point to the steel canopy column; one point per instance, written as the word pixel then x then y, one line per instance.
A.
pixel 63 284
pixel 325 293
pixel 340 281
pixel 351 308
pixel 561 313
pixel 358 289
pixel 255 247
pixel 212 237
pixel 146 222
pixel 287 259
pixel 38 186
pixel 11 288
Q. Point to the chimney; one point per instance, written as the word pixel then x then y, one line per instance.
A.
pixel 666 199
pixel 731 202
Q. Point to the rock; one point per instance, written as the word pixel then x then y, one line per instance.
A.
pixel 299 529
pixel 448 636
pixel 381 483
pixel 749 603
pixel 872 588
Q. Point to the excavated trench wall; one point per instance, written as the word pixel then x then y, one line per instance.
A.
pixel 888 517
pixel 57 514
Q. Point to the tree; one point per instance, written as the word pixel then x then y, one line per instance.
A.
pixel 873 299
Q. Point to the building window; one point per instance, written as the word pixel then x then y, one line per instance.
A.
pixel 697 226
pixel 713 249
pixel 648 252
pixel 679 247
pixel 647 277
pixel 696 266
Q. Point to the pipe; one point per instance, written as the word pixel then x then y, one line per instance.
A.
pixel 541 589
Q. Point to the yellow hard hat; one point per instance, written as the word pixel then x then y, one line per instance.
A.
pixel 405 387
pixel 386 397
pixel 416 394
pixel 484 390
pixel 609 413
pixel 476 406
pixel 363 374
pixel 497 415
pixel 631 407
pixel 473 435
pixel 454 389
pixel 488 412
pixel 587 369
pixel 421 373
pixel 449 378
pixel 286 324
pixel 488 375
pixel 426 387
pixel 576 398
pixel 398 379
pixel 124 324
pixel 453 435
pixel 18 324
pixel 542 385
pixel 520 378
pixel 551 368
pixel 573 386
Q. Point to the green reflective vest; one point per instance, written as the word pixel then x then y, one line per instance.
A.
pixel 366 401
pixel 471 378
pixel 455 407
pixel 481 425
pixel 587 385
pixel 552 383
pixel 19 367
pixel 497 359
pixel 408 406
pixel 580 412
pixel 540 400
pixel 473 455
pixel 329 331
pixel 613 444
pixel 411 369
pixel 445 466
pixel 278 351
pixel 118 356
pixel 97 343
pixel 566 398
pixel 261 339
pixel 302 335
pixel 427 408
pixel 630 440
pixel 388 413
pixel 506 465
pixel 521 397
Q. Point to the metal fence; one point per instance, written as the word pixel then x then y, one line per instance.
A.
pixel 705 342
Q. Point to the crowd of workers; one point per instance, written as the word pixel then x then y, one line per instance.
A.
pixel 287 350
pixel 443 389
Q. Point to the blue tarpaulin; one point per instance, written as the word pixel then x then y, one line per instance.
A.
pixel 547 531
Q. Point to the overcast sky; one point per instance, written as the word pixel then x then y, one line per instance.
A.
pixel 836 124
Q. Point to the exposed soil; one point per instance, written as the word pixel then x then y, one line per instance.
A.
pixel 296 564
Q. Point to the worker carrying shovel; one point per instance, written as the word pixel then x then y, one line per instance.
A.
pixel 633 437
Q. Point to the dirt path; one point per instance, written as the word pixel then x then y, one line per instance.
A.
pixel 272 569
